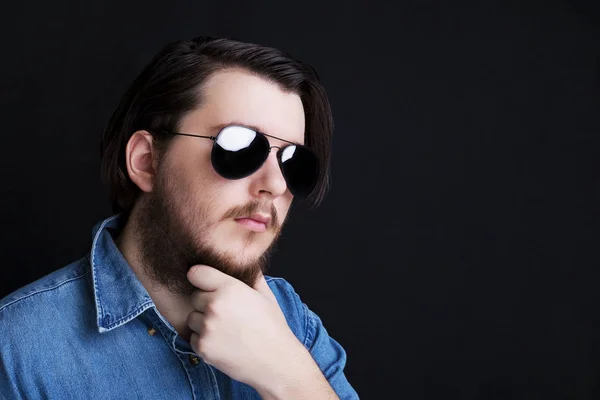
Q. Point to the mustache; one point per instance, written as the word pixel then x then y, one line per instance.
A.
pixel 252 208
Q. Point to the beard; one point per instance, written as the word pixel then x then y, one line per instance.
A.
pixel 169 243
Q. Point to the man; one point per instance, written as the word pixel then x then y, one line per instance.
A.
pixel 202 158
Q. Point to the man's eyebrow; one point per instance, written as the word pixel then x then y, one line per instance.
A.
pixel 218 128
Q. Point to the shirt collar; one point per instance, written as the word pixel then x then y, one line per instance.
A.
pixel 119 294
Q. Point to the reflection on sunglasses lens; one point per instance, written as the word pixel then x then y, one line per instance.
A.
pixel 235 138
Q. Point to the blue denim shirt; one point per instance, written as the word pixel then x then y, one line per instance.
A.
pixel 91 331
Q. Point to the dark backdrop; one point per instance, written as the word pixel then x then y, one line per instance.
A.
pixel 455 256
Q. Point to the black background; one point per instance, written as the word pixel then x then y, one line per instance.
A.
pixel 455 256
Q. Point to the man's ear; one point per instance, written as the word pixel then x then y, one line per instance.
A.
pixel 140 160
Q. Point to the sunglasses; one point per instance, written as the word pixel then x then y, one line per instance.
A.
pixel 239 152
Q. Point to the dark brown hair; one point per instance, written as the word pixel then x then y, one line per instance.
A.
pixel 170 86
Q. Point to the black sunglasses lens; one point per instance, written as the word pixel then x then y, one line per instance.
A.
pixel 238 152
pixel 300 168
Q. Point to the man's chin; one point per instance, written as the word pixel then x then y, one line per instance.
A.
pixel 241 267
pixel 241 254
pixel 246 274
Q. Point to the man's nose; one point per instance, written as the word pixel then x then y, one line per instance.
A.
pixel 269 178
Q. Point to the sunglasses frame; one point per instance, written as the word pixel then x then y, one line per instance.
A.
pixel 280 149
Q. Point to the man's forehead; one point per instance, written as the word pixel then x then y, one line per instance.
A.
pixel 240 98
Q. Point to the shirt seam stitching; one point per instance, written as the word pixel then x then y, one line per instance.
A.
pixel 130 316
pixel 269 279
pixel 309 332
pixel 93 263
pixel 45 289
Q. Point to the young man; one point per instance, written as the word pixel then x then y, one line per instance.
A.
pixel 202 157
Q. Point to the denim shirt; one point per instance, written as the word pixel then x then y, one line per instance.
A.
pixel 91 331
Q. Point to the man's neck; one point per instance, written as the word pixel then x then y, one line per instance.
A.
pixel 175 308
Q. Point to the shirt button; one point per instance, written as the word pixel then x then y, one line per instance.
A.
pixel 151 331
pixel 194 360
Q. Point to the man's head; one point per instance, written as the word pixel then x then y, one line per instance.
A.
pixel 182 211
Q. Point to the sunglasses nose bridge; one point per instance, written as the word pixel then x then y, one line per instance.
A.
pixel 277 153
pixel 269 177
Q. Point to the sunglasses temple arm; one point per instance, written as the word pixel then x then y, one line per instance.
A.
pixel 199 136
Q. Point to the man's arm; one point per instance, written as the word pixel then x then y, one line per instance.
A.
pixel 243 331
pixel 303 379
pixel 326 354
pixel 321 375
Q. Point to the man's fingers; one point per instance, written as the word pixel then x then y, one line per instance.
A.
pixel 195 321
pixel 201 299
pixel 207 278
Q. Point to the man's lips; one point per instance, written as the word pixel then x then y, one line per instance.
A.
pixel 255 222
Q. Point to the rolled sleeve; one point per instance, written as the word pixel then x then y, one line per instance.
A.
pixel 329 355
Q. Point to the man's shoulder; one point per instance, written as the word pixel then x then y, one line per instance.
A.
pixel 284 292
pixel 46 326
pixel 40 293
pixel 290 303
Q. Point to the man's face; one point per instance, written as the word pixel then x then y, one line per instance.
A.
pixel 193 215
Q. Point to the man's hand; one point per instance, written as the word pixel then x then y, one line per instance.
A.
pixel 241 330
